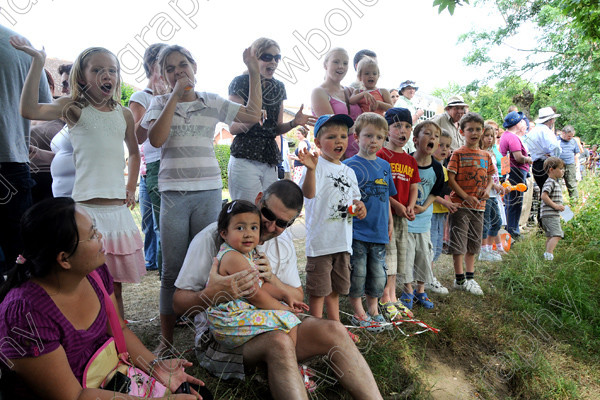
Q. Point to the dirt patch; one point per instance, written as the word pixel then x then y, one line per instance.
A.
pixel 447 381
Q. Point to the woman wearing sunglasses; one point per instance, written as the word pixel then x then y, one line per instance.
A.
pixel 254 151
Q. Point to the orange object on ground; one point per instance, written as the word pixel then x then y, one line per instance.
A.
pixel 506 240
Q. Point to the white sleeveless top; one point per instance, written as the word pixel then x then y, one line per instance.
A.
pixel 97 140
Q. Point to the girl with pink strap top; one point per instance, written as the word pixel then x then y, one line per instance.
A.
pixel 333 98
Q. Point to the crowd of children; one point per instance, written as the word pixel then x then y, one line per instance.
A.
pixel 375 220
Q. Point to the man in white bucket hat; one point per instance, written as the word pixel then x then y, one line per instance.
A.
pixel 542 143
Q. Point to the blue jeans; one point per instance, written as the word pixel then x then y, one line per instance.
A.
pixel 15 199
pixel 149 227
pixel 514 202
pixel 437 233
pixel 368 271
pixel 492 222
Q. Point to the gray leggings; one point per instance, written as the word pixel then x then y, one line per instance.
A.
pixel 182 216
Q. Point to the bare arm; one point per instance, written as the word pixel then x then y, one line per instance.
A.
pixel 320 102
pixel 138 112
pixel 29 106
pixel 471 201
pixel 546 199
pixel 233 262
pixel 134 159
pixel 309 186
pixel 252 112
pixel 219 288
pixel 387 100
pixel 520 158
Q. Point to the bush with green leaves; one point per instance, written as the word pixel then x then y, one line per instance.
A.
pixel 222 152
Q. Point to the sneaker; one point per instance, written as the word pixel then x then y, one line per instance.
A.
pixel 469 285
pixel 422 299
pixel 500 250
pixel 366 323
pixel 436 287
pixel 407 300
pixel 497 254
pixel 548 256
pixel 381 321
pixel 486 255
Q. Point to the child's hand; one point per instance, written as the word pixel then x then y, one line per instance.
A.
pixel 130 199
pixel 22 44
pixel 295 306
pixel 410 213
pixel 264 267
pixel 303 120
pixel 360 210
pixel 450 206
pixel 308 159
pixel 483 193
pixel 399 209
pixel 471 201
pixel 183 84
pixel 370 99
pixel 560 208
pixel 418 209
pixel 250 59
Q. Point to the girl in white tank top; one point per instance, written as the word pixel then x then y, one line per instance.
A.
pixel 98 125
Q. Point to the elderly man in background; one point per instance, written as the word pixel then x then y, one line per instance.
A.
pixel 407 91
pixel 542 143
pixel 455 109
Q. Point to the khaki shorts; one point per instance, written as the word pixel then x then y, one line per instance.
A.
pixel 327 274
pixel 418 258
pixel 551 225
pixel 466 228
pixel 395 250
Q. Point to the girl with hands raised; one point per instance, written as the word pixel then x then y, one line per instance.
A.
pixel 98 125
pixel 182 123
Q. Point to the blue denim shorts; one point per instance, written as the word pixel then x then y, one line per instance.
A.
pixel 368 270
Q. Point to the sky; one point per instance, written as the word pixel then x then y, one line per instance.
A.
pixel 411 39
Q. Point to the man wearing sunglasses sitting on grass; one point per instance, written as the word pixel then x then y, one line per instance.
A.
pixel 200 286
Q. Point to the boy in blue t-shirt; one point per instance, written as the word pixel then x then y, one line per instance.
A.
pixel 371 234
pixel 419 247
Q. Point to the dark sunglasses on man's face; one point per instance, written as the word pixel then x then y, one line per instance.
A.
pixel 266 57
pixel 268 214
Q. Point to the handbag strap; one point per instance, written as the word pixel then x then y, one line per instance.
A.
pixel 113 319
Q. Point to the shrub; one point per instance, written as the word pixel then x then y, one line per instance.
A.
pixel 222 153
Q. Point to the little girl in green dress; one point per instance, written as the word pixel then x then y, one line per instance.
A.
pixel 235 322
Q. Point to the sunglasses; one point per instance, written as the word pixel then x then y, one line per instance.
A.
pixel 268 214
pixel 266 57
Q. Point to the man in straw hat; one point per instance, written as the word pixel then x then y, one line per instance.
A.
pixel 407 91
pixel 542 143
pixel 455 109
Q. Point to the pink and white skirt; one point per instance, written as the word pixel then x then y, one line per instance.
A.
pixel 121 239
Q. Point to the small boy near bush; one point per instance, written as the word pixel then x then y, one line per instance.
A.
pixel 552 204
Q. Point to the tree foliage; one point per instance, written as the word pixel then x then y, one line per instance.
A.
pixel 566 54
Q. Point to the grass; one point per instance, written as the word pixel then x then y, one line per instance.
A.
pixel 535 334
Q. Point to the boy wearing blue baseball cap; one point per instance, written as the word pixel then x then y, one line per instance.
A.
pixel 329 188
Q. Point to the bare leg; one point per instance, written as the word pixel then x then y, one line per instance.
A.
pixel 389 293
pixel 316 306
pixel 118 288
pixel 277 350
pixel 420 287
pixel 332 303
pixel 356 303
pixel 317 337
pixel 551 244
pixel 470 262
pixel 458 263
pixel 372 305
